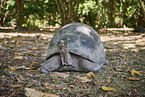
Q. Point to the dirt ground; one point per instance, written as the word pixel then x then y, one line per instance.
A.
pixel 21 54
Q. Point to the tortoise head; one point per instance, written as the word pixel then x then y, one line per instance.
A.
pixel 62 44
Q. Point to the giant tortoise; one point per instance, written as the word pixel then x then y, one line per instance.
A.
pixel 75 47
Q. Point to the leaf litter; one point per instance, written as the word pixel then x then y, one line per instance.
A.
pixel 22 54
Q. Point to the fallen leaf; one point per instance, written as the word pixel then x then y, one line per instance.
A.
pixel 21 77
pixel 107 88
pixel 35 93
pixel 57 74
pixel 22 67
pixel 61 86
pixel 133 72
pixel 109 80
pixel 35 63
pixel 90 75
pixel 35 48
pixel 16 53
pixel 5 41
pixel 17 42
pixel 12 69
pixel 133 78
pixel 118 68
pixel 32 54
pixel 52 86
pixel 32 67
pixel 18 57
pixel 85 79
pixel 15 86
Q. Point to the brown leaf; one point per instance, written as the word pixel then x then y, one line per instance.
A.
pixel 5 41
pixel 35 63
pixel 58 74
pixel 118 68
pixel 85 79
pixel 35 48
pixel 18 57
pixel 34 68
pixel 17 42
pixel 12 69
pixel 32 54
pixel 61 86
pixel 109 80
pixel 52 86
pixel 133 78
pixel 35 93
pixel 15 86
pixel 90 75
pixel 22 67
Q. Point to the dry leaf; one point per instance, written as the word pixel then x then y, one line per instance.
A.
pixel 18 57
pixel 118 68
pixel 32 67
pixel 107 88
pixel 15 86
pixel 17 42
pixel 61 86
pixel 90 75
pixel 133 78
pixel 85 79
pixel 5 41
pixel 32 54
pixel 109 80
pixel 16 53
pixel 35 93
pixel 12 69
pixel 133 71
pixel 21 77
pixel 22 67
pixel 35 63
pixel 35 48
pixel 58 74
pixel 52 86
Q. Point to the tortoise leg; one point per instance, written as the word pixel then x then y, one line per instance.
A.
pixel 106 62
pixel 86 66
pixel 51 64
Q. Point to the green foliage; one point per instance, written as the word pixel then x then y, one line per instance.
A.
pixel 43 13
pixel 7 12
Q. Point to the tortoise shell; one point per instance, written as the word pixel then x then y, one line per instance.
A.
pixel 83 41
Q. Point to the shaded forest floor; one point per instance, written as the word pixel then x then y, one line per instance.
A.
pixel 21 54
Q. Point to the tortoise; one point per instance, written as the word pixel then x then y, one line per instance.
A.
pixel 75 47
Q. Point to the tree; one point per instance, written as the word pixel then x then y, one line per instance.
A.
pixel 68 10
pixel 141 18
pixel 20 5
pixel 123 5
pixel 111 7
pixel 3 12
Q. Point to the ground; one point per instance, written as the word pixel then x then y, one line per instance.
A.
pixel 21 54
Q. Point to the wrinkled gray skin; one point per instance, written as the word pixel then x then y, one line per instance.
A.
pixel 75 47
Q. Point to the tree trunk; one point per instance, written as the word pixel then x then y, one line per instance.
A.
pixel 141 19
pixel 124 6
pixel 68 14
pixel 20 5
pixel 111 6
pixel 4 11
